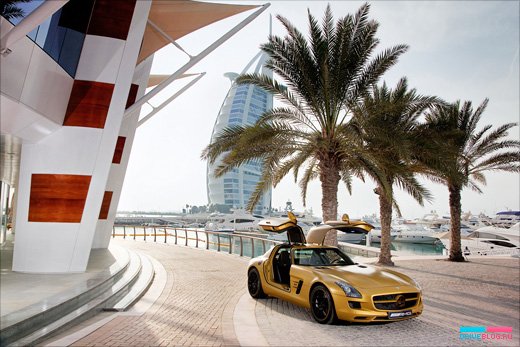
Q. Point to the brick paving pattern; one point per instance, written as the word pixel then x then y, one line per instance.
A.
pixel 482 292
pixel 203 289
pixel 190 310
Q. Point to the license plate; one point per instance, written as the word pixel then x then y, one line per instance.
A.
pixel 399 314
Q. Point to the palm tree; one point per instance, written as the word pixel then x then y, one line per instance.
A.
pixel 475 152
pixel 9 10
pixel 322 75
pixel 386 122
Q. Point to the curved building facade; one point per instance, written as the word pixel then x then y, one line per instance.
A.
pixel 243 105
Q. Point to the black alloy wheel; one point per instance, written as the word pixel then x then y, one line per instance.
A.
pixel 322 305
pixel 254 284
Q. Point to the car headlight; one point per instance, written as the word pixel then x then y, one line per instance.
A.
pixel 416 284
pixel 350 291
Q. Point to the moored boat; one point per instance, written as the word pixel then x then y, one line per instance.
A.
pixel 237 221
pixel 415 234
pixel 490 240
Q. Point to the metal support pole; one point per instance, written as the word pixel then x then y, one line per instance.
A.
pixel 124 232
pixel 207 240
pixel 196 239
pixel 241 247
pixel 185 236
pixel 194 60
pixel 170 99
pixel 165 234
pixel 167 37
pixel 230 244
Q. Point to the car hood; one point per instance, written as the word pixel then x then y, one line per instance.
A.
pixel 364 276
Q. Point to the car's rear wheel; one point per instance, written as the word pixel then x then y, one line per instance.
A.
pixel 322 305
pixel 254 284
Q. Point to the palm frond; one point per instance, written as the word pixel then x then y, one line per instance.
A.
pixel 410 184
pixel 309 174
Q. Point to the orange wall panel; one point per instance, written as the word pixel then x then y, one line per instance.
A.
pixel 111 18
pixel 118 152
pixel 132 95
pixel 88 104
pixel 105 206
pixel 58 198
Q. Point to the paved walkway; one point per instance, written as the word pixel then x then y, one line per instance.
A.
pixel 205 303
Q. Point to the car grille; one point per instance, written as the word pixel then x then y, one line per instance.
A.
pixel 395 302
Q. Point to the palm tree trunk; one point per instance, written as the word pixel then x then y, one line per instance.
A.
pixel 329 178
pixel 385 211
pixel 455 212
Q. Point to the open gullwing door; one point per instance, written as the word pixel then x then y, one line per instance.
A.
pixel 289 225
pixel 317 234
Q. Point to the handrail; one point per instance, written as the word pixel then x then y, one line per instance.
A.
pixel 220 241
pixel 214 240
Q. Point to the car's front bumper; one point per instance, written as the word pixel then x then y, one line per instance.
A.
pixel 364 310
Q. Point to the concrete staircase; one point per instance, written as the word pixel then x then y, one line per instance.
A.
pixel 114 289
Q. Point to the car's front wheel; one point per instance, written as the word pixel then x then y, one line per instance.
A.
pixel 254 284
pixel 322 305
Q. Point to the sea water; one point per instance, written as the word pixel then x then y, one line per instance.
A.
pixel 415 248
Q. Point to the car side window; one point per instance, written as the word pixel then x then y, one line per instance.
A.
pixel 320 257
pixel 302 256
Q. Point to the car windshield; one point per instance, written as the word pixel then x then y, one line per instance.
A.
pixel 321 257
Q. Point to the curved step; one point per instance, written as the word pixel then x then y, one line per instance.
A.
pixel 118 289
pixel 23 322
pixel 139 287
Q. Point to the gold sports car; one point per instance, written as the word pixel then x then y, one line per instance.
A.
pixel 326 281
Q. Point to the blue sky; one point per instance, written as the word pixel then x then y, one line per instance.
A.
pixel 458 51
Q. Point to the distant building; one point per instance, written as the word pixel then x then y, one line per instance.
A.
pixel 243 105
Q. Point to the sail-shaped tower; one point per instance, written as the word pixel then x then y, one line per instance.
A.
pixel 243 105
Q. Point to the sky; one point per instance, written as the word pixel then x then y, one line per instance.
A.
pixel 459 50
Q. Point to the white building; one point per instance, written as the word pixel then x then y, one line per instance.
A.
pixel 243 105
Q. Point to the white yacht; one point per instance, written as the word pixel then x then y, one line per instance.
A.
pixel 413 233
pixel 237 221
pixel 354 237
pixel 375 234
pixel 506 219
pixel 430 221
pixel 490 240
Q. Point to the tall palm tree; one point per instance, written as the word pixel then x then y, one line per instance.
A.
pixel 322 75
pixel 475 152
pixel 386 121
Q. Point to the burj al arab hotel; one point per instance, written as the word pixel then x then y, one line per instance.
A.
pixel 243 105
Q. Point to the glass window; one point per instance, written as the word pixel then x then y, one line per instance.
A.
pixel 62 35
pixel 321 257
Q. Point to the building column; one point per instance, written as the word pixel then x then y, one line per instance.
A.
pixel 121 156
pixel 63 178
